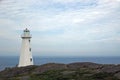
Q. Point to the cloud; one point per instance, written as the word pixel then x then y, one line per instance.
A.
pixel 57 25
pixel 7 29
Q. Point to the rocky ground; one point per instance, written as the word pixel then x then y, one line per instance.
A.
pixel 57 71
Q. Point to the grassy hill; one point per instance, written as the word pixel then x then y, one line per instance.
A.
pixel 56 71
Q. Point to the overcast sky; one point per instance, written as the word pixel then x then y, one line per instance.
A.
pixel 61 27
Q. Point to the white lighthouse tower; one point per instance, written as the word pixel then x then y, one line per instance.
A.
pixel 26 54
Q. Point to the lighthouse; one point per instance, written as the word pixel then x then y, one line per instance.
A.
pixel 26 54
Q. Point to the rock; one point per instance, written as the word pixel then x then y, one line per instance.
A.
pixel 7 73
pixel 84 65
pixel 50 66
pixel 68 72
pixel 24 78
pixel 111 68
pixel 117 75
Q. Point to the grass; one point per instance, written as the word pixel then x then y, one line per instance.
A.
pixel 77 75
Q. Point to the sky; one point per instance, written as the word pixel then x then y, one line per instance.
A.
pixel 61 27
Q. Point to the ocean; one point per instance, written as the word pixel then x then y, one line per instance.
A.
pixel 12 61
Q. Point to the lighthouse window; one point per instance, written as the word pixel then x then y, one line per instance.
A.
pixel 29 49
pixel 31 59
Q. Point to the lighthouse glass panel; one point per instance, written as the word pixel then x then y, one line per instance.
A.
pixel 27 34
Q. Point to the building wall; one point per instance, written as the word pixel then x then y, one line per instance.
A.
pixel 26 54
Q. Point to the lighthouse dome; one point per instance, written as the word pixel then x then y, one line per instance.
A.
pixel 26 30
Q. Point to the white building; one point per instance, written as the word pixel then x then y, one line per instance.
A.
pixel 26 54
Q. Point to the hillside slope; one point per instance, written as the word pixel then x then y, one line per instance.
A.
pixel 57 71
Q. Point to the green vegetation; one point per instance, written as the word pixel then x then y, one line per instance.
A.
pixel 72 75
pixel 54 71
